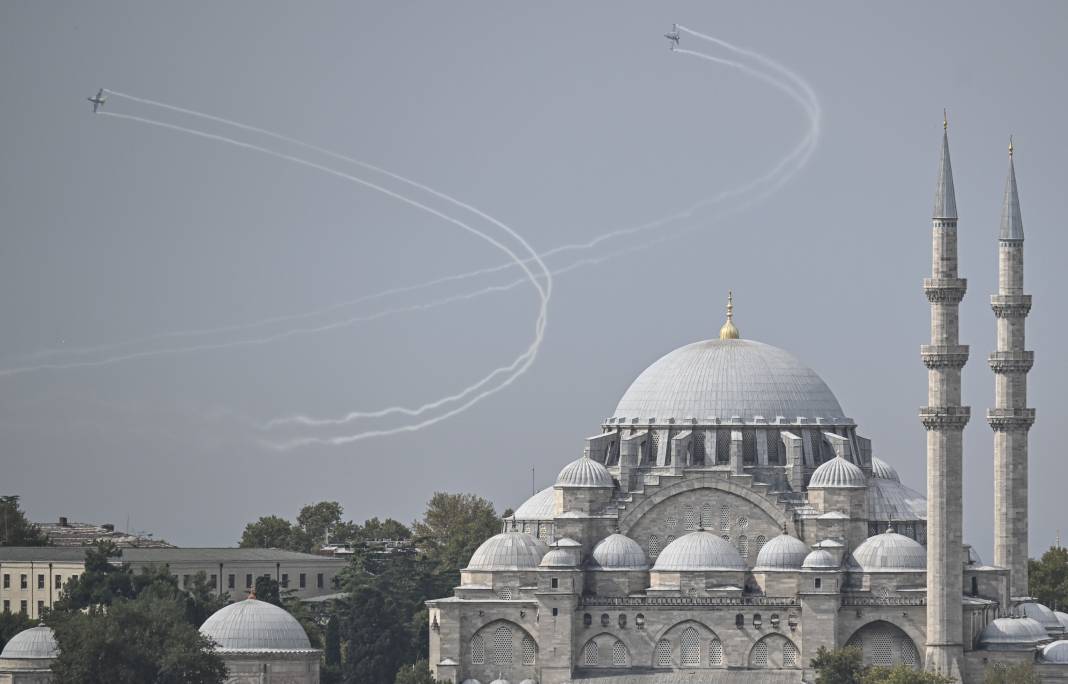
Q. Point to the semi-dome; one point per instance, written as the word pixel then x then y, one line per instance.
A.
pixel 253 625
pixel 30 644
pixel 1062 618
pixel 699 550
pixel 889 551
pixel 838 472
pixel 728 378
pixel 541 506
pixel 883 470
pixel 508 551
pixel 1011 633
pixel 1057 652
pixel 784 552
pixel 819 559
pixel 891 500
pixel 1041 614
pixel 618 552
pixel 584 472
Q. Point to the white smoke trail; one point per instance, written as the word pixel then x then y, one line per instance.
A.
pixel 514 370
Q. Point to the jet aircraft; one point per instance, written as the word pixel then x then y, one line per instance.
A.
pixel 98 101
pixel 673 36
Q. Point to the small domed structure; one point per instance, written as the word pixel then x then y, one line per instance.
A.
pixel 838 472
pixel 254 638
pixel 584 472
pixel 35 643
pixel 1062 618
pixel 1057 652
pixel 819 559
pixel 1043 615
pixel 538 507
pixel 618 552
pixel 784 552
pixel 882 470
pixel 1013 634
pixel 890 552
pixel 508 551
pixel 699 551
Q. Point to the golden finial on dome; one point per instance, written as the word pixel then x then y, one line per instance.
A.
pixel 728 331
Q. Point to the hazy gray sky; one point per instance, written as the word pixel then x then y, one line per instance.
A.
pixel 564 120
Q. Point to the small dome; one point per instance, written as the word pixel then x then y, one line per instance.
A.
pixel 255 625
pixel 584 472
pixel 619 552
pixel 1010 632
pixel 558 558
pixel 699 551
pixel 1057 652
pixel 1062 618
pixel 528 681
pixel 499 681
pixel 1041 614
pixel 838 472
pixel 890 551
pixel 883 470
pixel 890 500
pixel 784 552
pixel 472 681
pixel 819 560
pixel 32 643
pixel 508 551
pixel 541 506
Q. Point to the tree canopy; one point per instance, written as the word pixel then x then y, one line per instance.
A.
pixel 846 666
pixel 1048 578
pixel 453 526
pixel 15 528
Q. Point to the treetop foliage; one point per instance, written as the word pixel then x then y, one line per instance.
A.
pixel 1048 578
pixel 15 528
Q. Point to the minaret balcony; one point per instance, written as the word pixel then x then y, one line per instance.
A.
pixel 1010 418
pixel 936 417
pixel 944 355
pixel 942 290
pixel 1010 306
pixel 1012 361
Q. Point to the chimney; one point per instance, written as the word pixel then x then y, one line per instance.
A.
pixel 62 521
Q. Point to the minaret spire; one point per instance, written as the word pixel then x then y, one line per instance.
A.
pixel 1010 418
pixel 944 419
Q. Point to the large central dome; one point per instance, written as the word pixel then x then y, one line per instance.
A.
pixel 726 378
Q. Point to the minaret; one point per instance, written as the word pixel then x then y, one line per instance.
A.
pixel 944 418
pixel 1010 418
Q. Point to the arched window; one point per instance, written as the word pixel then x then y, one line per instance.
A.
pixel 789 654
pixel 760 654
pixel 691 648
pixel 882 648
pixel 654 545
pixel 739 620
pixel 529 650
pixel 619 654
pixel 591 654
pixel 478 650
pixel 760 540
pixel 501 650
pixel 883 643
pixel 724 517
pixel 909 656
pixel 587 619
pixel 715 652
pixel 662 654
pixel 604 619
pixel 668 539
pixel 639 622
pixel 743 546
pixel 707 516
pixel 689 518
pixel 622 620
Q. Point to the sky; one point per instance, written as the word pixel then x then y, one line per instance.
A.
pixel 564 121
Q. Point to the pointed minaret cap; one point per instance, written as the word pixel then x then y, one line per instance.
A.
pixel 1011 221
pixel 945 204
pixel 728 331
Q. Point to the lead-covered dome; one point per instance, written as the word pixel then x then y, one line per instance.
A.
pixel 1057 652
pixel 541 506
pixel 1013 633
pixel 508 551
pixel 1041 614
pixel 890 551
pixel 819 559
pixel 253 625
pixel 725 379
pixel 783 552
pixel 32 644
pixel 702 551
pixel 883 470
pixel 618 552
pixel 584 472
pixel 838 472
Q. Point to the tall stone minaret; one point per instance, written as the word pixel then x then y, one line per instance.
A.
pixel 944 418
pixel 1010 418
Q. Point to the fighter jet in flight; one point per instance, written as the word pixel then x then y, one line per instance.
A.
pixel 673 36
pixel 98 101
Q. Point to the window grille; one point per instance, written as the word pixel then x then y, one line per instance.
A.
pixel 789 654
pixel 656 447
pixel 909 656
pixel 749 447
pixel 590 654
pixel 775 455
pixel 743 546
pixel 505 594
pixel 724 517
pixel 760 540
pixel 529 651
pixel 726 537
pixel 670 538
pixel 501 652
pixel 882 648
pixel 723 446
pixel 663 653
pixel 699 448
pixel 478 650
pixel 707 517
pixel 689 517
pixel 760 654
pixel 654 545
pixel 691 648
pixel 743 522
pixel 619 654
pixel 715 652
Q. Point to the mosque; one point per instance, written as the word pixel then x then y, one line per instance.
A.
pixel 729 520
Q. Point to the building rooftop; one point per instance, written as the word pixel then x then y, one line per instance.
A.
pixel 68 533
pixel 10 554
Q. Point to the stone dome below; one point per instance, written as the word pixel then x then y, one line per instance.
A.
pixel 508 551
pixel 35 643
pixel 890 552
pixel 699 551
pixel 838 472
pixel 729 378
pixel 618 552
pixel 253 625
pixel 584 472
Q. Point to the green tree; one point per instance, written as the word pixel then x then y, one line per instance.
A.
pixel 202 600
pixel 374 633
pixel 416 673
pixel 103 582
pixel 268 532
pixel 840 666
pixel 11 624
pixel 389 528
pixel 332 653
pixel 318 522
pixel 1003 673
pixel 452 528
pixel 902 674
pixel 267 590
pixel 15 529
pixel 132 642
pixel 1048 578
